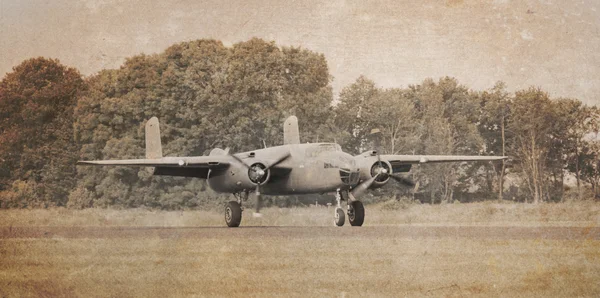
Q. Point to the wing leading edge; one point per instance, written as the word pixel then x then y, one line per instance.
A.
pixel 418 159
pixel 198 166
pixel 184 162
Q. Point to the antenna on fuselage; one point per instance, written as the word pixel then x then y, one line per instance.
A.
pixel 264 144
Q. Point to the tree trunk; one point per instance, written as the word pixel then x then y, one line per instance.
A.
pixel 577 175
pixel 534 174
pixel 562 186
pixel 501 182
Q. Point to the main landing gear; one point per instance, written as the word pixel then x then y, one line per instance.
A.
pixel 356 210
pixel 233 210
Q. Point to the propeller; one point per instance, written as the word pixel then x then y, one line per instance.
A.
pixel 381 172
pixel 258 173
pixel 403 180
pixel 361 188
pixel 384 172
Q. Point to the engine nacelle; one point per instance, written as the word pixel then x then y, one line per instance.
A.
pixel 370 166
pixel 238 178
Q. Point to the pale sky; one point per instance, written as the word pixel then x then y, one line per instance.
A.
pixel 548 43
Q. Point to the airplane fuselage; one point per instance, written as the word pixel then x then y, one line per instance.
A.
pixel 292 168
pixel 317 168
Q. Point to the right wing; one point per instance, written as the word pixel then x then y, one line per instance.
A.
pixel 415 159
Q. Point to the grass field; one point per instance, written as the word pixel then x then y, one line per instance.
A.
pixel 303 255
pixel 585 213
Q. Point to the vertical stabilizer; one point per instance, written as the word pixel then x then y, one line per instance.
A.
pixel 291 134
pixel 153 145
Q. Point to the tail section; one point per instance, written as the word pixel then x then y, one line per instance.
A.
pixel 291 134
pixel 153 145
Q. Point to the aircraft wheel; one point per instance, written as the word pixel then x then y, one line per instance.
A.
pixel 340 217
pixel 233 214
pixel 356 213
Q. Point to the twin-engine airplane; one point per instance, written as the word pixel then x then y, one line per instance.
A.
pixel 292 168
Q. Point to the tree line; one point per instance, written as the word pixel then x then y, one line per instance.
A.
pixel 208 95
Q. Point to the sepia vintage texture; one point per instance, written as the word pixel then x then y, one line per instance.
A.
pixel 551 44
pixel 506 248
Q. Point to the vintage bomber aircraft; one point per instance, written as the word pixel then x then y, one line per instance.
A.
pixel 292 168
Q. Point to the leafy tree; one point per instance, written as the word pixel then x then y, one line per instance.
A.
pixel 447 126
pixel 590 166
pixel 532 121
pixel 577 123
pixel 206 95
pixel 494 117
pixel 351 113
pixel 36 133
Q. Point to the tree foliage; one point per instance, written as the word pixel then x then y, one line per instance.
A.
pixel 37 151
pixel 207 95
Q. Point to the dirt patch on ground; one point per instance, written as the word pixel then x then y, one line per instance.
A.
pixel 474 232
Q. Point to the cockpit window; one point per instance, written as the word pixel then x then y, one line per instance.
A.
pixel 317 150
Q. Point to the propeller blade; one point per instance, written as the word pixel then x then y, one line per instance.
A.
pixel 258 199
pixel 403 180
pixel 361 188
pixel 280 160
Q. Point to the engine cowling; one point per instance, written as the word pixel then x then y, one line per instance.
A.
pixel 258 173
pixel 370 166
pixel 238 178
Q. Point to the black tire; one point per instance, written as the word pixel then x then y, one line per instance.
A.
pixel 356 214
pixel 340 217
pixel 233 214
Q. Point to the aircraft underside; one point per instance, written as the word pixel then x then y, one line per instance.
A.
pixel 354 209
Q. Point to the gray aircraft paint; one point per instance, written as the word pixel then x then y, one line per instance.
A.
pixel 309 168
pixel 291 133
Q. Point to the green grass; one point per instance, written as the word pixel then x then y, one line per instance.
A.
pixel 301 264
pixel 307 266
pixel 388 213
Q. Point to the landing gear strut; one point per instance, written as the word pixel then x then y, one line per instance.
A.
pixel 233 210
pixel 356 210
pixel 339 216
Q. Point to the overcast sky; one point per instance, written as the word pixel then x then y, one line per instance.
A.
pixel 548 43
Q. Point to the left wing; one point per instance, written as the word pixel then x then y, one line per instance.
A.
pixel 187 162
pixel 196 166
